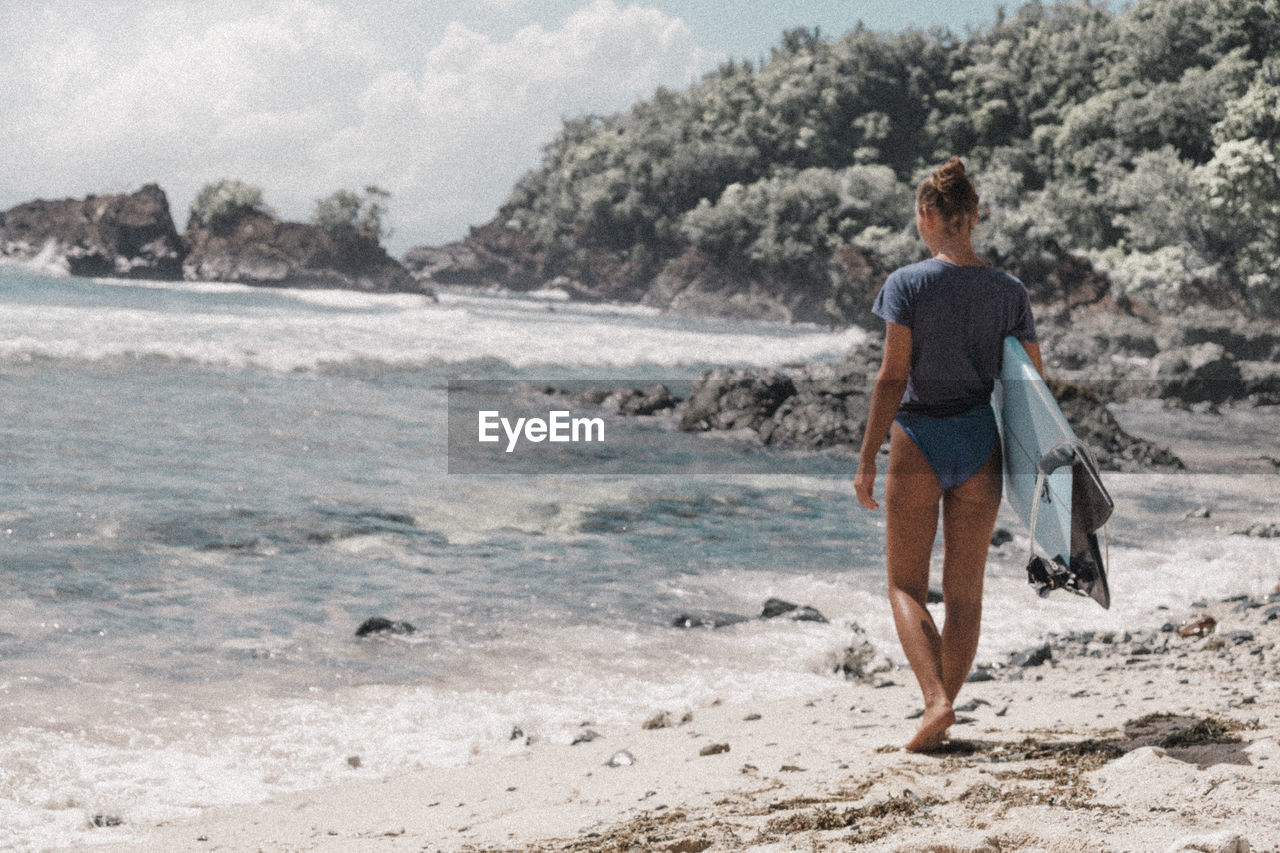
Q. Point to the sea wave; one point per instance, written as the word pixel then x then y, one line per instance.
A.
pixel 292 330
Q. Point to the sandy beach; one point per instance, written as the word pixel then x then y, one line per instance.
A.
pixel 1153 741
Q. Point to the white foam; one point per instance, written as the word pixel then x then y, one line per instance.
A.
pixel 281 330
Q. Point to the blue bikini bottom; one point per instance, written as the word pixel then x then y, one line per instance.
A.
pixel 956 447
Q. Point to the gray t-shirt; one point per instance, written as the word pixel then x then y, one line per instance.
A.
pixel 959 317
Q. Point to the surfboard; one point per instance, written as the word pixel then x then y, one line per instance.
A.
pixel 1051 482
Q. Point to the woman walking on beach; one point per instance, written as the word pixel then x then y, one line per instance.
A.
pixel 945 323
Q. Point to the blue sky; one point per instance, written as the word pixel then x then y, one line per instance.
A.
pixel 445 103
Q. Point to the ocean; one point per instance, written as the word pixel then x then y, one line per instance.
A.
pixel 206 489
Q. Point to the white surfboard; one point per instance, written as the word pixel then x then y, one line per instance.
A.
pixel 1051 482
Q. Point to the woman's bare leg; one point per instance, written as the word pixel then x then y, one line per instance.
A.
pixel 912 496
pixel 968 517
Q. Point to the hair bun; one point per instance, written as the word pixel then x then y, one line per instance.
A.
pixel 950 176
pixel 949 191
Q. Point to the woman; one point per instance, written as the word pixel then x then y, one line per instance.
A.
pixel 945 323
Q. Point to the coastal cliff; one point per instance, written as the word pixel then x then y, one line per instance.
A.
pixel 257 249
pixel 133 236
pixel 124 235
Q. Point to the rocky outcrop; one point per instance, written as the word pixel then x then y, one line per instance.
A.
pixel 824 406
pixel 258 250
pixel 694 284
pixel 125 236
pixel 488 257
pixel 1199 357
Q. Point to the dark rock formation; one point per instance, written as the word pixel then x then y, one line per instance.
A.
pixel 126 236
pixel 825 406
pixel 735 399
pixel 1203 372
pixel 1115 449
pixel 1200 356
pixel 638 401
pixel 694 284
pixel 382 625
pixel 259 250
pixel 775 607
pixel 489 256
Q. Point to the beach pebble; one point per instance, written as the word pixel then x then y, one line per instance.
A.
pixel 1198 627
pixel 586 737
pixel 622 758
pixel 776 607
pixel 1198 512
pixel 713 749
pixel 707 620
pixel 1032 657
pixel 1220 842
pixel 1000 536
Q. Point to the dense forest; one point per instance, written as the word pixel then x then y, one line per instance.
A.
pixel 1144 144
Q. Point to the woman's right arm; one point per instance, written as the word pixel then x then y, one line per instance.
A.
pixel 891 384
pixel 1033 352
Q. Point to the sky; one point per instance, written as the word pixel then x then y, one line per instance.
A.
pixel 443 103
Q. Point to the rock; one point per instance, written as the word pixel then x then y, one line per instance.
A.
pixel 1203 372
pixel 635 401
pixel 1219 842
pixel 775 607
pixel 259 250
pixel 707 620
pixel 1032 657
pixel 980 674
pixel 861 659
pixel 124 236
pixel 1115 449
pixel 1240 637
pixel 665 720
pixel 1000 537
pixel 1198 627
pixel 489 256
pixel 1260 531
pixel 106 820
pixel 734 399
pixel 586 736
pixel 381 625
pixel 1198 512
pixel 713 749
pixel 818 418
pixel 622 758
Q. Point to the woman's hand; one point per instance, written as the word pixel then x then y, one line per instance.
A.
pixel 864 484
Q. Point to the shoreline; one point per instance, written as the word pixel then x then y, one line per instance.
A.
pixel 1126 743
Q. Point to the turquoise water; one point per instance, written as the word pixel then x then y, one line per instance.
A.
pixel 205 490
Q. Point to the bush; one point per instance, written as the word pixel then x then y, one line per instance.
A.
pixel 221 203
pixel 361 213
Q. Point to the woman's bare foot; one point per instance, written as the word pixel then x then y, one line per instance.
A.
pixel 933 729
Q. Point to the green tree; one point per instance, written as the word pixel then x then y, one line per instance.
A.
pixel 359 212
pixel 221 203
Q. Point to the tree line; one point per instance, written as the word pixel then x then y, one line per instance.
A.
pixel 1145 140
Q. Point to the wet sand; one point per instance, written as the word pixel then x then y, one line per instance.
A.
pixel 1116 743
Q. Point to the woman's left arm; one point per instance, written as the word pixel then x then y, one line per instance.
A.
pixel 891 384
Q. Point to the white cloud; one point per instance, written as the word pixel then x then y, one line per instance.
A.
pixel 299 98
